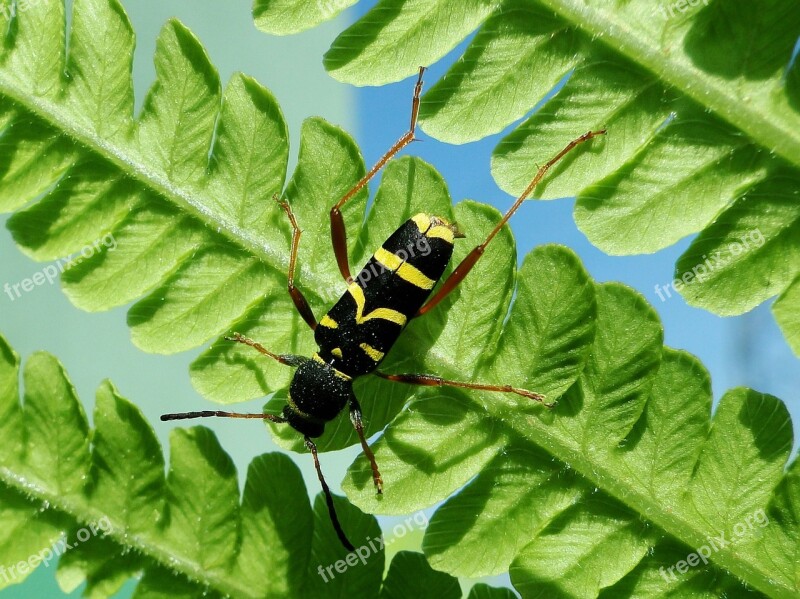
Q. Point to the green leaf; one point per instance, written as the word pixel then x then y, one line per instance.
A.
pixel 570 558
pixel 128 467
pixel 619 374
pixel 282 17
pixel 26 532
pixel 168 140
pixel 787 312
pixel 34 157
pixel 749 253
pixel 203 519
pixel 700 102
pixel 726 490
pixel 55 428
pixel 411 576
pixel 659 576
pixel 495 71
pixel 10 412
pixel 100 563
pixel 781 550
pixel 639 417
pixel 419 460
pixel 99 502
pixel 484 591
pixel 332 571
pixel 101 89
pixel 274 528
pixel 396 34
pixel 662 449
pixel 519 493
pixel 184 196
pixel 554 315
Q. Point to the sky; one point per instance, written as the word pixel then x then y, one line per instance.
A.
pixel 747 350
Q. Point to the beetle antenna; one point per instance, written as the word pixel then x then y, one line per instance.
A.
pixel 219 414
pixel 328 497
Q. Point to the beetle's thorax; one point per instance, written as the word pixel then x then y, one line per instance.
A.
pixel 317 393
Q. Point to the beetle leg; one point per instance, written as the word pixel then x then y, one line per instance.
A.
pixel 467 263
pixel 355 418
pixel 286 359
pixel 429 380
pixel 298 298
pixel 338 232
pixel 328 497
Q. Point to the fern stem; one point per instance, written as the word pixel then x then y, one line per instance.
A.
pixel 597 473
pixel 153 548
pixel 125 158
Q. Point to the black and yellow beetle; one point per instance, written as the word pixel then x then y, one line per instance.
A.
pixel 359 330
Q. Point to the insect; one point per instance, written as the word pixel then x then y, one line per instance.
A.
pixel 355 335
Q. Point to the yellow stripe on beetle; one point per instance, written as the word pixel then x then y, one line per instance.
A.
pixel 423 222
pixel 317 358
pixel 342 375
pixel 383 313
pixel 329 322
pixel 435 226
pixel 294 407
pixel 373 353
pixel 442 232
pixel 404 270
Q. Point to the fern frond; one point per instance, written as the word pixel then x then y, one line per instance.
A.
pixel 185 192
pixel 700 100
pixel 97 502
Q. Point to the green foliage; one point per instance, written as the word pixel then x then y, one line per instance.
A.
pixel 703 121
pixel 282 17
pixel 411 576
pixel 187 531
pixel 629 464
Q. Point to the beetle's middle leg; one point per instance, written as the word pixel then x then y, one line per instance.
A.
pixel 300 302
pixel 355 418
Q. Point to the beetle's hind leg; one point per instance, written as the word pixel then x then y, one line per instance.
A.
pixel 300 302
pixel 338 232
pixel 358 424
pixel 429 380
